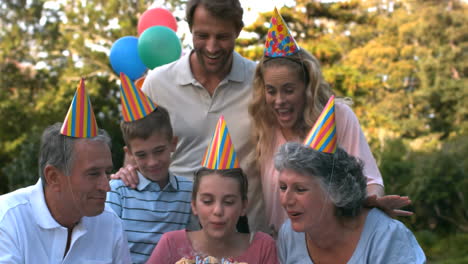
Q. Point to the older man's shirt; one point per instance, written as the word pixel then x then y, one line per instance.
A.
pixel 148 211
pixel 29 233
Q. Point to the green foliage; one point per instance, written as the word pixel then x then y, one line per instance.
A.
pixel 436 180
pixel 435 177
pixel 444 250
pixel 45 48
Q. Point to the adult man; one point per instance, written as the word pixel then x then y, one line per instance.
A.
pixel 212 80
pixel 62 218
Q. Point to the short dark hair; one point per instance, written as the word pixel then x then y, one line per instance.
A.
pixel 157 121
pixel 340 174
pixel 229 10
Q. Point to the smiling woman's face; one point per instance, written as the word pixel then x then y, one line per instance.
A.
pixel 304 200
pixel 284 94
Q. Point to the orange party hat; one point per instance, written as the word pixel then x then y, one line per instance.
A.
pixel 322 136
pixel 135 104
pixel 80 121
pixel 279 41
pixel 220 154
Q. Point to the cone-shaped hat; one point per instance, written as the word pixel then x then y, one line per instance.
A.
pixel 220 153
pixel 135 104
pixel 279 41
pixel 80 121
pixel 322 136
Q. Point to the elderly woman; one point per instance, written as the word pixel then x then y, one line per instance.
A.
pixel 323 194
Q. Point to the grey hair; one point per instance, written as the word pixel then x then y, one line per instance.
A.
pixel 340 175
pixel 57 149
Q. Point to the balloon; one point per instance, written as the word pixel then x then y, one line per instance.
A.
pixel 156 17
pixel 158 45
pixel 124 57
pixel 139 82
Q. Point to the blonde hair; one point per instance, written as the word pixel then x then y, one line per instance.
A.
pixel 317 93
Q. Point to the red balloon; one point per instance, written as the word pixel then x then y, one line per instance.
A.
pixel 156 17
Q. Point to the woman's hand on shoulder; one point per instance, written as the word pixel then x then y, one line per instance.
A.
pixel 390 204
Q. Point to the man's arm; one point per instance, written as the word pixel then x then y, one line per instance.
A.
pixel 9 251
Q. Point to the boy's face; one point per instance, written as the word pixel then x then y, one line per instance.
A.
pixel 153 156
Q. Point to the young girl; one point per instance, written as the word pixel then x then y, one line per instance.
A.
pixel 219 199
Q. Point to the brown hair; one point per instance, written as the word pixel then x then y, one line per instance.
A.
pixel 236 174
pixel 317 93
pixel 242 225
pixel 229 10
pixel 157 121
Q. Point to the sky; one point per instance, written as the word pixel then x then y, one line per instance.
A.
pixel 253 7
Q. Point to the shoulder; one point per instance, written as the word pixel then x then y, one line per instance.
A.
pixel 175 237
pixel 117 185
pixel 287 236
pixel 343 108
pixel 184 183
pixel 107 221
pixel 291 245
pixel 264 239
pixel 246 64
pixel 346 119
pixel 170 68
pixel 15 201
pixel 164 78
pixel 382 223
pixel 285 228
pixel 109 215
pixel 389 240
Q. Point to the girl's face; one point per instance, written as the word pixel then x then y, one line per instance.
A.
pixel 285 95
pixel 218 205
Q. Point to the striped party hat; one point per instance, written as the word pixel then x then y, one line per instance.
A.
pixel 322 136
pixel 279 41
pixel 80 121
pixel 135 104
pixel 220 154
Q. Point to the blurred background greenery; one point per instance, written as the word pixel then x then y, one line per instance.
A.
pixel 403 62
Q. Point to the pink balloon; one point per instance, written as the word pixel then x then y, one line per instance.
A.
pixel 156 17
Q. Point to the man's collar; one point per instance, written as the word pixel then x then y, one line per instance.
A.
pixel 144 182
pixel 237 73
pixel 186 77
pixel 41 212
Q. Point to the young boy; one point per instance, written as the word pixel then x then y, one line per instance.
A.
pixel 161 201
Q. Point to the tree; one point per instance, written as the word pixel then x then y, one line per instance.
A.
pixel 45 48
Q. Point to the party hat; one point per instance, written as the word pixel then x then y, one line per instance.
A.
pixel 80 121
pixel 135 104
pixel 220 154
pixel 322 136
pixel 279 41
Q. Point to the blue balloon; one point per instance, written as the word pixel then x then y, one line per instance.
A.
pixel 124 58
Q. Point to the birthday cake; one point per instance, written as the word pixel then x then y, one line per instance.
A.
pixel 207 260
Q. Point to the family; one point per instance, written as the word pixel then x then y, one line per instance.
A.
pixel 216 171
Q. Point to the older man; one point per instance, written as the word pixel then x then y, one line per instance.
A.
pixel 62 218
pixel 210 81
